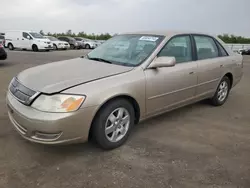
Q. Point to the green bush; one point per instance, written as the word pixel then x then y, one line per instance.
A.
pixel 234 39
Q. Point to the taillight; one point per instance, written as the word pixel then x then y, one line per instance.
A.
pixel 1 45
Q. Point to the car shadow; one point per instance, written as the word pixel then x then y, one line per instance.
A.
pixel 169 116
pixel 72 149
pixel 5 63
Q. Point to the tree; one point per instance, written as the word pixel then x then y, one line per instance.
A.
pixel 69 32
pixel 41 32
pixel 234 39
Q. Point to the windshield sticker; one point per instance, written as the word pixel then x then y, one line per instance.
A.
pixel 149 38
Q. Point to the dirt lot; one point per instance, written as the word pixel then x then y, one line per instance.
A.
pixel 196 146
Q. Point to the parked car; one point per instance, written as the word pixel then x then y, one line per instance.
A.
pixel 87 43
pixel 98 42
pixel 72 42
pixel 3 54
pixel 28 40
pixel 102 95
pixel 2 39
pixel 245 52
pixel 80 41
pixel 58 44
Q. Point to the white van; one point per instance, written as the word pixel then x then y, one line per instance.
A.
pixel 28 40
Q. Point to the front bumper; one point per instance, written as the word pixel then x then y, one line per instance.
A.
pixel 63 46
pixel 45 46
pixel 50 128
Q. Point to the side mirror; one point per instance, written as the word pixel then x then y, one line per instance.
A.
pixel 162 62
pixel 28 37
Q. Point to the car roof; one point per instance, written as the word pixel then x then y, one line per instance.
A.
pixel 168 33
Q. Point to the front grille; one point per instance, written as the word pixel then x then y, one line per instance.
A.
pixel 22 93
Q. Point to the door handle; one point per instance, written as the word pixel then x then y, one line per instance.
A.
pixel 22 39
pixel 221 66
pixel 191 72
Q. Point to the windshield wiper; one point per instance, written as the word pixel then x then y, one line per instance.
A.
pixel 100 59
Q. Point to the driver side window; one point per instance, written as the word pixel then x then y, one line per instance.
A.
pixel 25 35
pixel 179 47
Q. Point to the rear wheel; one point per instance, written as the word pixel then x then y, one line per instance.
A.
pixel 10 46
pixel 113 124
pixel 222 92
pixel 34 48
pixel 87 46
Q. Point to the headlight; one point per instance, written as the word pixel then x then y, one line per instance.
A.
pixel 58 103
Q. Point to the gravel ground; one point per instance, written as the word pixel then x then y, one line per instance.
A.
pixel 195 146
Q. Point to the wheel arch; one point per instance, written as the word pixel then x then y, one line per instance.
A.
pixel 127 97
pixel 9 44
pixel 231 78
pixel 34 45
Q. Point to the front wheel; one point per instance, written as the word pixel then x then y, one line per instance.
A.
pixel 55 47
pixel 222 92
pixel 87 46
pixel 113 124
pixel 35 48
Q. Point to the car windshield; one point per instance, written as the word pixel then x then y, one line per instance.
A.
pixel 53 38
pixel 36 35
pixel 128 50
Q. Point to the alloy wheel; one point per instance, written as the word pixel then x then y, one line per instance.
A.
pixel 223 91
pixel 117 124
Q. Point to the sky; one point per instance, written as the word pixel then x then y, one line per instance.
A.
pixel 117 16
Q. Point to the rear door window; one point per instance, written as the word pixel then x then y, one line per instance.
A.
pixel 223 52
pixel 206 47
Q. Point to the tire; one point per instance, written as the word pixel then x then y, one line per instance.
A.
pixel 34 48
pixel 3 57
pixel 87 46
pixel 112 134
pixel 222 92
pixel 10 46
pixel 55 47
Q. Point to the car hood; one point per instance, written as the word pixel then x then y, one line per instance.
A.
pixel 43 40
pixel 58 76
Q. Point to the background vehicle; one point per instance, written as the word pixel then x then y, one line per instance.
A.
pixel 58 44
pixel 103 94
pixel 80 41
pixel 87 43
pixel 2 40
pixel 72 42
pixel 245 52
pixel 3 54
pixel 28 40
